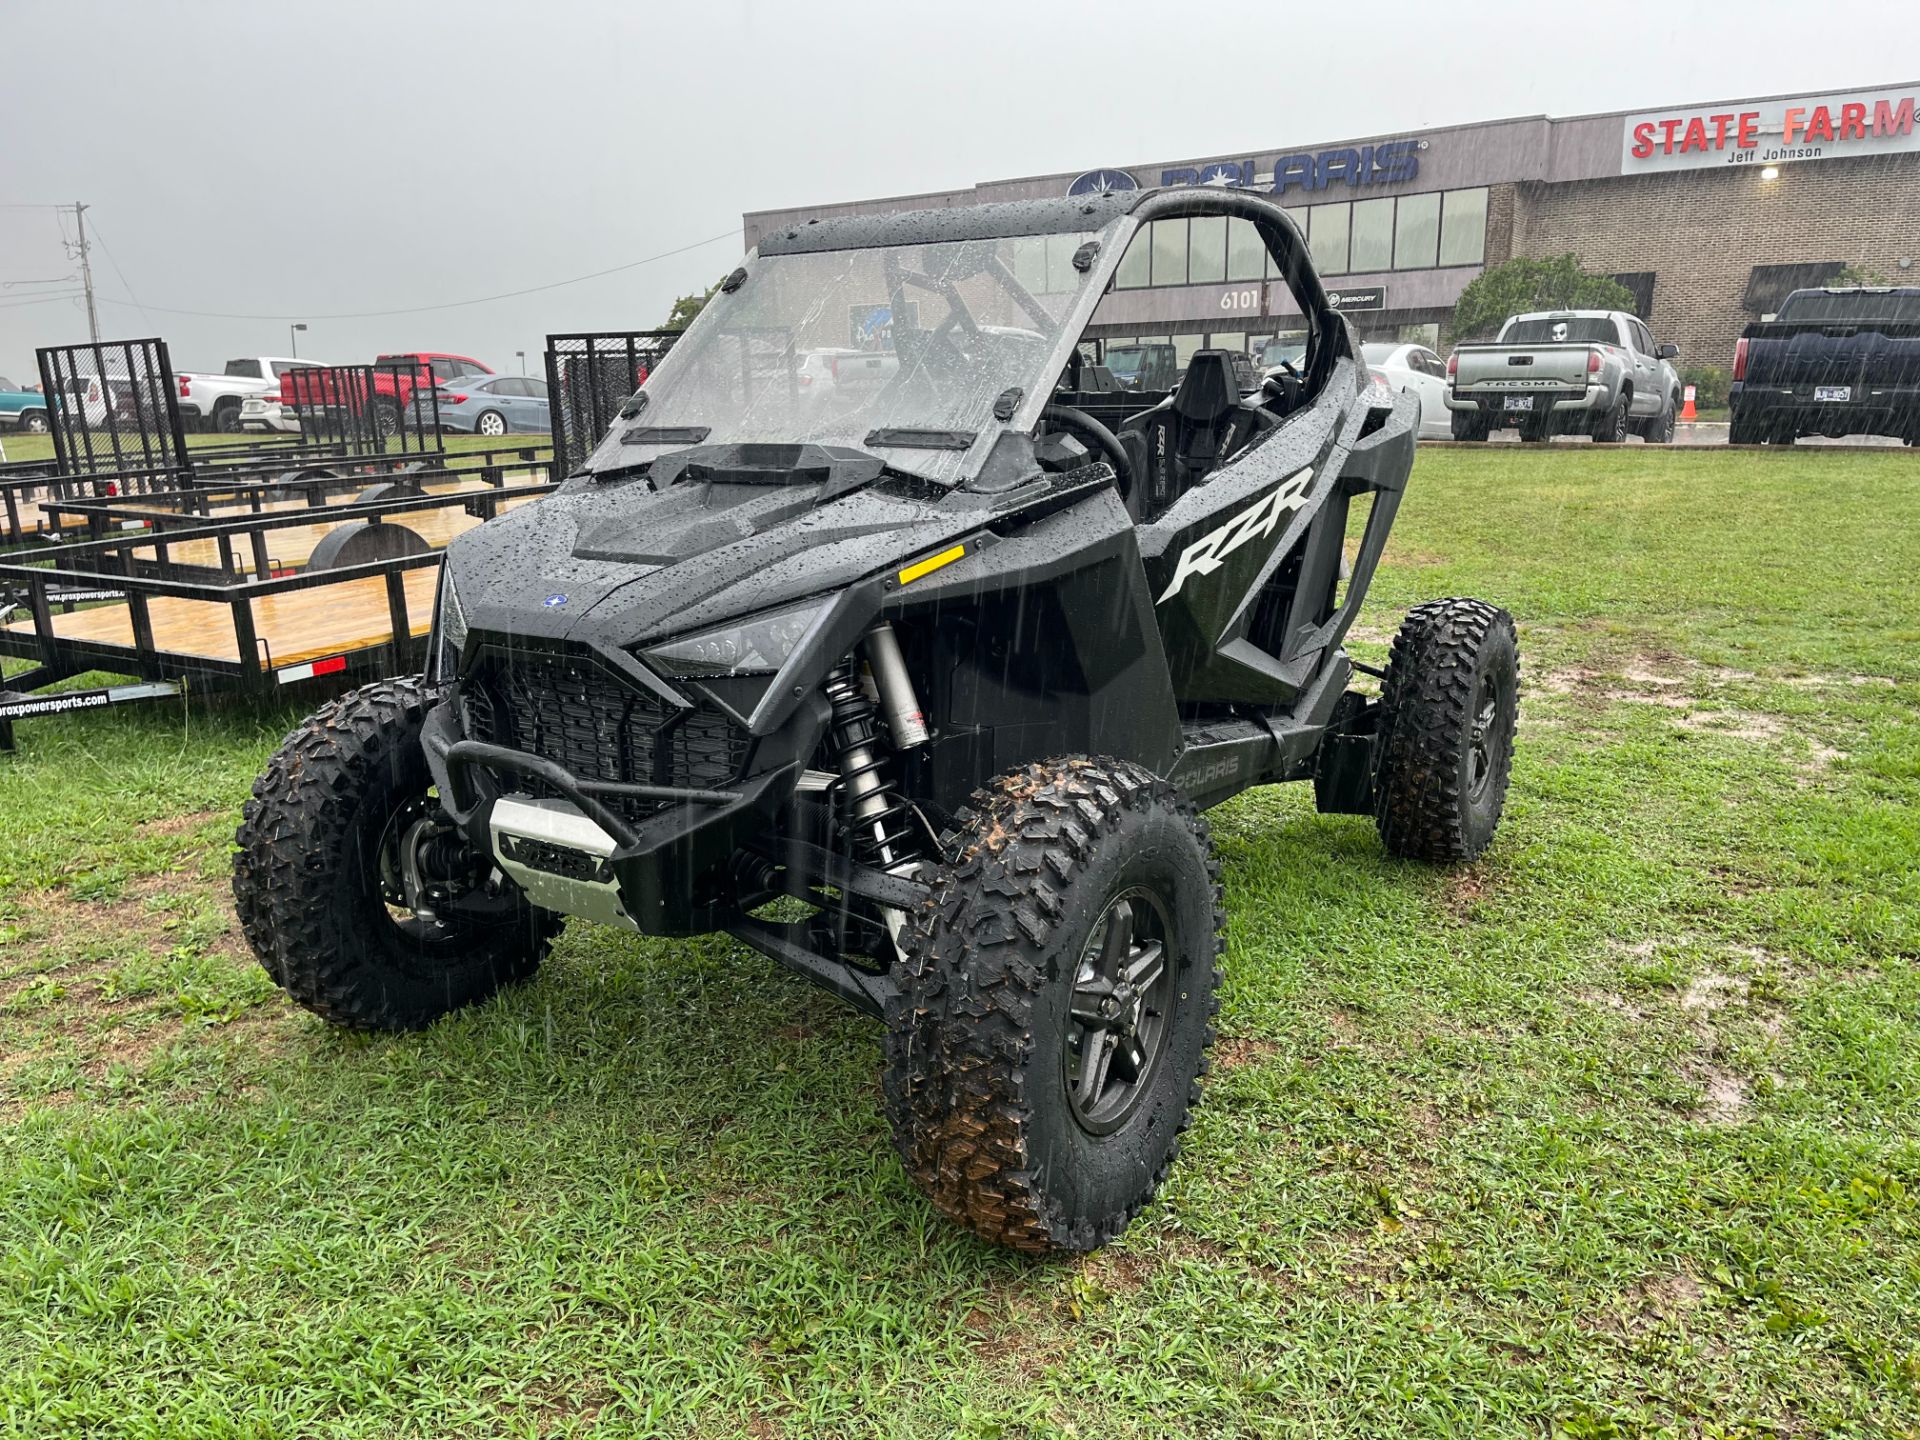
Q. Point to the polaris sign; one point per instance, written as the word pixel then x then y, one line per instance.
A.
pixel 1394 163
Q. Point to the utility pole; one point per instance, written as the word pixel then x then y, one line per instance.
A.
pixel 86 270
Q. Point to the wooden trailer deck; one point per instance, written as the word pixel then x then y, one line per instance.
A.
pixel 289 548
pixel 295 626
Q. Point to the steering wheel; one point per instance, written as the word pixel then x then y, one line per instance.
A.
pixel 1079 422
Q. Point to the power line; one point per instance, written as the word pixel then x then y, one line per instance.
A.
pixel 123 278
pixel 447 305
pixel 42 300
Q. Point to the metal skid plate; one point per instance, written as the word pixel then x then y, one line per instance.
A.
pixel 558 857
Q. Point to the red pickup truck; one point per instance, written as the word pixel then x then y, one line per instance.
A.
pixel 392 388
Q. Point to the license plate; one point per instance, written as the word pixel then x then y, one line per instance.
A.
pixel 1833 392
pixel 1519 402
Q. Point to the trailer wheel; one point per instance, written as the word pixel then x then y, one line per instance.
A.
pixel 1448 709
pixel 340 825
pixel 1056 1004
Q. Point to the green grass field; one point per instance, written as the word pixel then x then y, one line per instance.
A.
pixel 1615 1134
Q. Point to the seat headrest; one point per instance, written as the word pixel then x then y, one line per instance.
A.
pixel 1208 391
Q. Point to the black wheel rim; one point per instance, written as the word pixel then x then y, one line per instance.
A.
pixel 1121 1013
pixel 1485 739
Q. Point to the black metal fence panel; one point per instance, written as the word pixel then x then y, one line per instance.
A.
pixel 114 408
pixel 360 410
pixel 589 377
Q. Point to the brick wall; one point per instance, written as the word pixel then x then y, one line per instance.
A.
pixel 1702 231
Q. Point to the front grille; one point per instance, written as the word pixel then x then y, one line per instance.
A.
pixel 597 727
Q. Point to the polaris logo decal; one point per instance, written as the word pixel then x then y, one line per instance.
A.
pixel 1210 551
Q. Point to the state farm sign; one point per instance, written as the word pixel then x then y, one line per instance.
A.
pixel 1768 132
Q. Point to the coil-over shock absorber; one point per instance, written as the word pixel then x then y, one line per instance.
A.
pixel 880 825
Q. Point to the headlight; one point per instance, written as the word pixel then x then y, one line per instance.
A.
pixel 450 629
pixel 758 645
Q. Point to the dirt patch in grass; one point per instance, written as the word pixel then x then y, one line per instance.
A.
pixel 1462 891
pixel 1673 683
pixel 1713 991
pixel 175 826
pixel 1231 1052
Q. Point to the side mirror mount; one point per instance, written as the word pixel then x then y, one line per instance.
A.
pixel 1666 350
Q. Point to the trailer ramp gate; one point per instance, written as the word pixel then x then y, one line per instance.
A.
pixel 589 377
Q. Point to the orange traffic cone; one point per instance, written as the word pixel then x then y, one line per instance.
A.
pixel 1687 412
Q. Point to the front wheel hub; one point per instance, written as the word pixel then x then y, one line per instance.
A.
pixel 1123 998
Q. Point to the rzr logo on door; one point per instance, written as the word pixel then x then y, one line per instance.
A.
pixel 1210 551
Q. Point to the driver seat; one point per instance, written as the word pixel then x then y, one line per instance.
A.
pixel 1187 436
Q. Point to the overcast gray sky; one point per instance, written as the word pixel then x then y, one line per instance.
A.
pixel 315 159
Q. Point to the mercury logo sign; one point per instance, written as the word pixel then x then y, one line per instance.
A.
pixel 1210 551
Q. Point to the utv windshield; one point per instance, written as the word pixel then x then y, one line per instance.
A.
pixel 901 352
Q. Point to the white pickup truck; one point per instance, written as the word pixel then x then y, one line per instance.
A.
pixel 213 402
pixel 1563 371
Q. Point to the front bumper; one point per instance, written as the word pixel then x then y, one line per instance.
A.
pixel 272 416
pixel 572 852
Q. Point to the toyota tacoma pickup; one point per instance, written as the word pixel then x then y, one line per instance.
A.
pixel 395 380
pixel 214 402
pixel 1840 361
pixel 1597 372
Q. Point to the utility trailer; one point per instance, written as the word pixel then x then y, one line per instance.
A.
pixel 253 602
pixel 246 566
pixel 590 379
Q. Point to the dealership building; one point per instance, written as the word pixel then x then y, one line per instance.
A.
pixel 1709 213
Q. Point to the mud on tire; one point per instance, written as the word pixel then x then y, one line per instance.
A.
pixel 1448 710
pixel 986 1081
pixel 306 880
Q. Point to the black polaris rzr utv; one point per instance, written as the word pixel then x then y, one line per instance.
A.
pixel 915 675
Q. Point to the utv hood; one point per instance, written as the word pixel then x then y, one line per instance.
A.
pixel 617 563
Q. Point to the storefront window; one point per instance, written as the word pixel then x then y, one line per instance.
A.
pixel 1207 250
pixel 1463 228
pixel 1169 252
pixel 1227 340
pixel 1416 231
pixel 1246 252
pixel 1183 348
pixel 1327 238
pixel 1372 247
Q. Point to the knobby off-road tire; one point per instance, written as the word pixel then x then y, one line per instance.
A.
pixel 307 883
pixel 982 1044
pixel 1448 709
